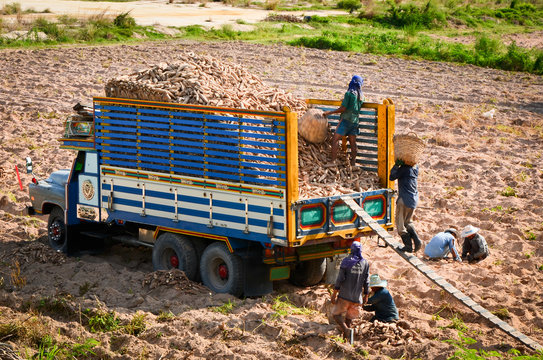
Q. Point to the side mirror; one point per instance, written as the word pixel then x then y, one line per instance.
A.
pixel 28 165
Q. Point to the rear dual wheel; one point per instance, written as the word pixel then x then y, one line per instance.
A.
pixel 174 251
pixel 221 270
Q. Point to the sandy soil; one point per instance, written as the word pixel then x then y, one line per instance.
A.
pixel 469 163
pixel 152 12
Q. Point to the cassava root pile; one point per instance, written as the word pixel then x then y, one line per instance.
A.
pixel 204 80
pixel 377 334
pixel 318 177
pixel 199 79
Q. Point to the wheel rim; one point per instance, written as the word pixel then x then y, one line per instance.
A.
pixel 170 260
pixel 174 261
pixel 223 272
pixel 56 232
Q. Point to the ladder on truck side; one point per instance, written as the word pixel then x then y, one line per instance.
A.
pixel 438 280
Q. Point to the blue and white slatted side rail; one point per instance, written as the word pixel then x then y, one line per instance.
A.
pixel 366 141
pixel 438 280
pixel 193 168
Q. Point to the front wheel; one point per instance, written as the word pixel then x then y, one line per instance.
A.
pixel 174 251
pixel 222 271
pixel 56 230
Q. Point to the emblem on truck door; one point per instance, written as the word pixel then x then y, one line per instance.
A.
pixel 87 189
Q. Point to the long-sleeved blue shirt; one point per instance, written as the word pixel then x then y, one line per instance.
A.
pixel 440 246
pixel 407 183
pixel 383 304
pixel 354 282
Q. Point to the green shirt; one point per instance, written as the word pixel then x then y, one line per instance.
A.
pixel 352 107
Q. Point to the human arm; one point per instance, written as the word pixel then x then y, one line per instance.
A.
pixel 336 111
pixel 454 252
pixel 369 304
pixel 395 172
pixel 339 280
pixel 333 296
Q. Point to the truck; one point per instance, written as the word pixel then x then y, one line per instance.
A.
pixel 212 190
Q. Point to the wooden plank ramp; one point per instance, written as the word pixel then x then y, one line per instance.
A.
pixel 438 280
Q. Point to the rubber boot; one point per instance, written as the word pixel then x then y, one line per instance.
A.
pixel 346 331
pixel 406 239
pixel 414 236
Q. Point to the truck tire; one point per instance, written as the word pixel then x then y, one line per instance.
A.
pixel 173 251
pixel 308 273
pixel 56 230
pixel 222 271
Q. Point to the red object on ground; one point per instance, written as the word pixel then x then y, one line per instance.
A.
pixel 19 178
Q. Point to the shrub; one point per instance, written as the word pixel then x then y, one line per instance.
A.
pixel 11 9
pixel 515 59
pixel 427 16
pixel 350 5
pixel 319 19
pixel 124 20
pixel 322 42
pixel 486 48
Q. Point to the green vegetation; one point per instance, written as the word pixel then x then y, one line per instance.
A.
pixel 282 306
pixel 422 29
pixel 65 30
pixel 502 313
pixel 51 349
pixel 101 320
pixel 164 316
pixel 225 308
pixel 136 325
pixel 508 191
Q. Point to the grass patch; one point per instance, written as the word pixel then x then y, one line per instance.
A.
pixel 282 306
pixel 508 192
pixel 137 325
pixel 502 313
pixel 165 316
pixel 101 320
pixel 225 308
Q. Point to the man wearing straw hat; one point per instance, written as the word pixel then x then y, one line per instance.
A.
pixel 381 301
pixel 408 197
pixel 474 248
pixel 353 287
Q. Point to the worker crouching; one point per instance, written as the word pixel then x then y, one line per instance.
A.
pixel 381 301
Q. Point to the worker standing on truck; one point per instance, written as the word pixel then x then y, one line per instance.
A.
pixel 348 119
pixel 474 248
pixel 408 197
pixel 443 243
pixel 381 301
pixel 352 284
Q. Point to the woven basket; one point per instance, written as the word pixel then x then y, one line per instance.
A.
pixel 408 147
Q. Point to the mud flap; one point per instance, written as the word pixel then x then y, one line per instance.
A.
pixel 257 278
pixel 332 268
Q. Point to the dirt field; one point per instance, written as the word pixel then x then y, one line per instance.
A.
pixel 471 164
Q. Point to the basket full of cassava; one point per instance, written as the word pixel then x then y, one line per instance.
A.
pixel 408 148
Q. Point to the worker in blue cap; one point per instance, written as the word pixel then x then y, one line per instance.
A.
pixel 348 118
